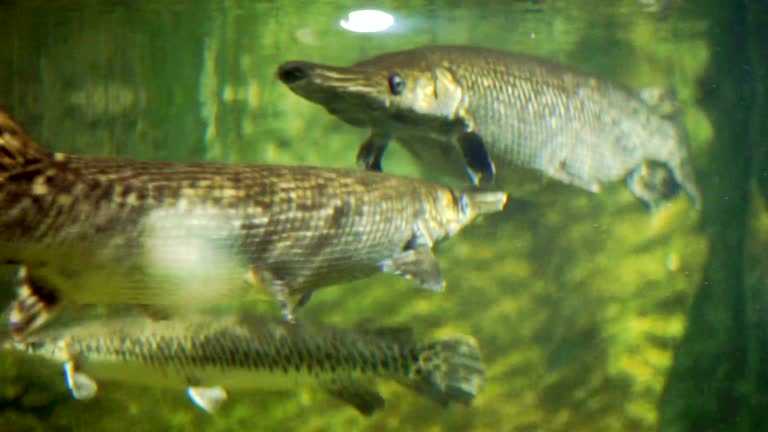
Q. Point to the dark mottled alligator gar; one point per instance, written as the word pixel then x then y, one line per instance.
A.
pixel 212 356
pixel 161 233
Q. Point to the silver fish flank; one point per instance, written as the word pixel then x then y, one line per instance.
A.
pixel 521 123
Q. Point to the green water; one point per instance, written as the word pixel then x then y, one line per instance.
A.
pixel 592 315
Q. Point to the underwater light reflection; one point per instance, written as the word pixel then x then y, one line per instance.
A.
pixel 367 21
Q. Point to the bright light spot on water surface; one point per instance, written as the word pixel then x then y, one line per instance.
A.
pixel 367 21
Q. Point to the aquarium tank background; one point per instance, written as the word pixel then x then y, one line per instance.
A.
pixel 592 313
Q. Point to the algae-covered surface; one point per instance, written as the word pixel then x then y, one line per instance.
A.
pixel 579 306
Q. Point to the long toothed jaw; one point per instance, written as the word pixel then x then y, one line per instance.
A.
pixel 336 89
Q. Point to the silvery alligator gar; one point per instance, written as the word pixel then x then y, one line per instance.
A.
pixel 506 119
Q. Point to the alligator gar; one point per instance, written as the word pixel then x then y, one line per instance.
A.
pixel 95 231
pixel 211 356
pixel 521 123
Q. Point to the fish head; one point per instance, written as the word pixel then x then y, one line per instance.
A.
pixel 454 210
pixel 388 91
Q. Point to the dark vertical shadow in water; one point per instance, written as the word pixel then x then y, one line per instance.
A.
pixel 757 260
pixel 707 388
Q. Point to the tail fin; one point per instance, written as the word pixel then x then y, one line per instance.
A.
pixel 684 174
pixel 33 306
pixel 478 203
pixel 664 102
pixel 17 149
pixel 449 370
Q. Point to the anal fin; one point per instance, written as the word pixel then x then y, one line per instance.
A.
pixel 419 265
pixel 565 173
pixel 33 306
pixel 365 399
pixel 208 398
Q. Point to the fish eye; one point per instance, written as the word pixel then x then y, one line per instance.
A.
pixel 396 84
pixel 464 204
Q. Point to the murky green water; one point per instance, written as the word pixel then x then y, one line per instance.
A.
pixel 592 315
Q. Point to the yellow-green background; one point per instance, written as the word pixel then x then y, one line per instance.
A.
pixel 591 314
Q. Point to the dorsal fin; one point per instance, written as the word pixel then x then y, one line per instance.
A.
pixel 17 149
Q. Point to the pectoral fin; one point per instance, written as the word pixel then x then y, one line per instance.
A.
pixel 478 163
pixel 81 386
pixel 208 398
pixel 34 305
pixel 365 399
pixel 419 265
pixel 371 152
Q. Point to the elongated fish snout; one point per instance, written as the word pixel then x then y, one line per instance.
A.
pixel 294 72
pixel 352 94
pixel 312 78
pixel 471 204
pixel 486 202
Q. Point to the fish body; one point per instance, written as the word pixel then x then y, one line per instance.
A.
pixel 94 231
pixel 515 121
pixel 212 356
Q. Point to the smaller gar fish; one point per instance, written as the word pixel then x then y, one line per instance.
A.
pixel 506 119
pixel 166 234
pixel 211 356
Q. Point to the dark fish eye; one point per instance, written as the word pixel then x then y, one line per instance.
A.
pixel 396 84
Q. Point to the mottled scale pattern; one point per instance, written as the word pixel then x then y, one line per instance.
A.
pixel 246 351
pixel 174 236
pixel 259 345
pixel 308 224
pixel 304 226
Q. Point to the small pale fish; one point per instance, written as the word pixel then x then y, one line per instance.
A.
pixel 170 235
pixel 521 123
pixel 214 356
